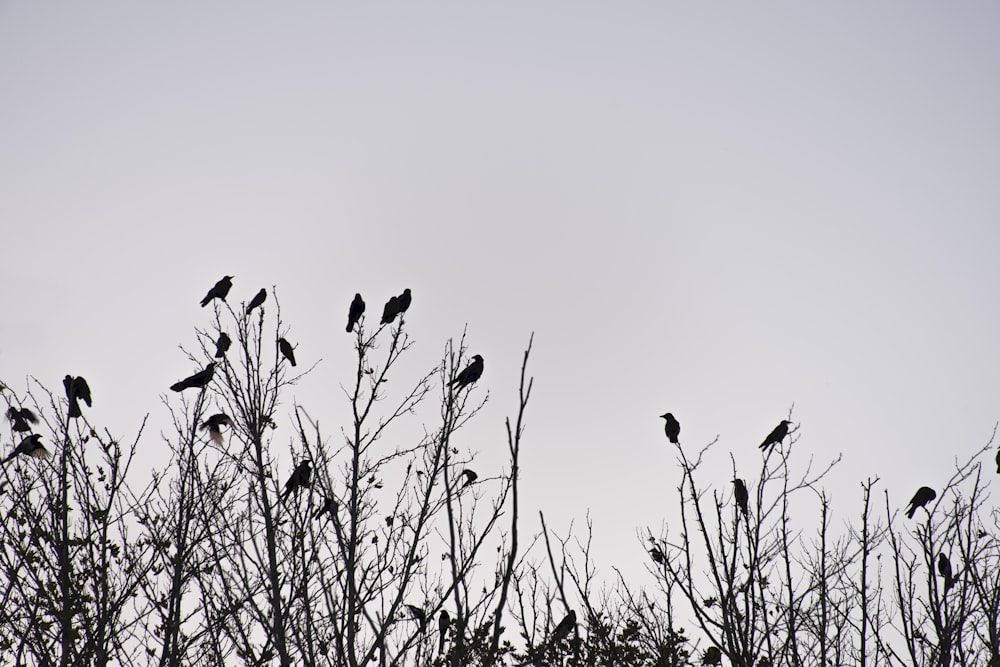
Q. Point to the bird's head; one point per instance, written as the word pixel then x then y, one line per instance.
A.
pixel 477 357
pixel 667 415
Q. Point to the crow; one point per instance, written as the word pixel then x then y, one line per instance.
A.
pixel 564 628
pixel 356 311
pixel 777 435
pixel 329 505
pixel 444 620
pixel 300 477
pixel 403 301
pixel 469 374
pixel 219 291
pixel 742 496
pixel 944 569
pixel 196 381
pixel 418 614
pixel 30 446
pixel 222 345
pixel 214 426
pixel 77 389
pixel 286 350
pixel 924 495
pixel 671 427
pixel 257 300
pixel 21 420
pixel 470 477
pixel 391 310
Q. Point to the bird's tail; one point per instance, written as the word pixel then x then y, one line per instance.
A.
pixel 912 511
pixel 74 409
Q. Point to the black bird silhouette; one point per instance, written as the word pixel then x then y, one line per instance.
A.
pixel 219 291
pixel 329 505
pixel 470 477
pixel 286 350
pixel 777 435
pixel 214 426
pixel 300 477
pixel 924 495
pixel 196 381
pixel 469 374
pixel 944 569
pixel 564 628
pixel 998 461
pixel 657 555
pixel 418 614
pixel 30 446
pixel 671 427
pixel 77 390
pixel 257 300
pixel 712 656
pixel 444 620
pixel 222 345
pixel 356 311
pixel 742 496
pixel 403 301
pixel 391 310
pixel 21 420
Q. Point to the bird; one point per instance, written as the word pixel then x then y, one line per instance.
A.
pixel 391 310
pixel 777 435
pixel 355 312
pixel 998 461
pixel 564 628
pixel 671 427
pixel 469 374
pixel 924 495
pixel 30 446
pixel 222 345
pixel 286 350
pixel 21 420
pixel 470 477
pixel 403 301
pixel 77 389
pixel 257 300
pixel 712 656
pixel 329 505
pixel 219 290
pixel 944 569
pixel 742 496
pixel 657 555
pixel 198 380
pixel 300 477
pixel 418 614
pixel 214 426
pixel 444 620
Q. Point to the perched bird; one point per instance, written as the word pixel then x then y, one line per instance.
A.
pixel 219 291
pixel 356 311
pixel 657 555
pixel 444 620
pixel 300 477
pixel 222 345
pixel 403 301
pixel 742 496
pixel 469 374
pixel 214 426
pixel 944 569
pixel 21 420
pixel 329 505
pixel 257 300
pixel 564 628
pixel 712 656
pixel 470 477
pixel 196 381
pixel 418 614
pixel 286 350
pixel 671 427
pixel 924 495
pixel 391 310
pixel 777 435
pixel 77 390
pixel 30 446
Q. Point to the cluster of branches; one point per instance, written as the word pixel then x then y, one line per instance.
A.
pixel 266 540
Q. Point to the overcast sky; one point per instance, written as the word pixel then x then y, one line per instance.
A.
pixel 713 209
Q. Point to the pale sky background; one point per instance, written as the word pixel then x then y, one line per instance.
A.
pixel 716 209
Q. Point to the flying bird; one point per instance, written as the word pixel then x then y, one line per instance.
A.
pixel 444 620
pixel 403 301
pixel 257 300
pixel 286 350
pixel 470 477
pixel 356 311
pixel 671 427
pixel 418 614
pixel 214 426
pixel 30 446
pixel 469 374
pixel 944 569
pixel 300 477
pixel 564 628
pixel 196 381
pixel 77 390
pixel 218 291
pixel 391 310
pixel 742 496
pixel 222 345
pixel 924 495
pixel 21 420
pixel 777 435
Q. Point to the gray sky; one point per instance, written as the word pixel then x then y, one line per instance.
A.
pixel 712 209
